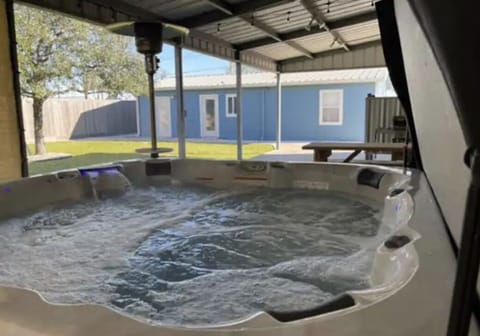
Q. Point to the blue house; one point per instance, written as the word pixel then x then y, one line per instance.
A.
pixel 323 106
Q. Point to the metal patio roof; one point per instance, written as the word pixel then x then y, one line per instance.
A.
pixel 274 35
pixel 266 79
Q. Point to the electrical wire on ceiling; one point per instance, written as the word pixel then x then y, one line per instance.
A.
pixel 292 13
pixel 323 6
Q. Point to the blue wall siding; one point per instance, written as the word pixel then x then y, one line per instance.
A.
pixel 300 113
pixel 270 114
pixel 253 115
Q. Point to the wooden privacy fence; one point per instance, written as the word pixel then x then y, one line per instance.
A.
pixel 379 115
pixel 65 119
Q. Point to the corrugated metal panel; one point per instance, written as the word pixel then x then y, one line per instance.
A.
pixel 360 33
pixel 362 56
pixel 285 18
pixel 209 46
pixel 278 51
pixel 345 8
pixel 379 113
pixel 234 30
pixel 318 42
pixel 258 60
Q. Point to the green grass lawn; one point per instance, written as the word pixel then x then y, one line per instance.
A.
pixel 87 153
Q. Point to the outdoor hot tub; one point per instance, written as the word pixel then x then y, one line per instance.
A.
pixel 180 247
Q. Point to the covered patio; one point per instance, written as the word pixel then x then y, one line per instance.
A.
pixel 281 36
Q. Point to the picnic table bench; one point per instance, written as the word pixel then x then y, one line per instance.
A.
pixel 322 150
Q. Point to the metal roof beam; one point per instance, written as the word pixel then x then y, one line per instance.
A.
pixel 304 32
pixel 274 35
pixel 267 30
pixel 317 15
pixel 299 48
pixel 245 7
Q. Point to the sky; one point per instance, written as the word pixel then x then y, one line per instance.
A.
pixel 193 63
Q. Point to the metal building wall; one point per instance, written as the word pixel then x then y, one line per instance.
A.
pixel 300 113
pixel 10 145
pixel 379 114
pixel 368 55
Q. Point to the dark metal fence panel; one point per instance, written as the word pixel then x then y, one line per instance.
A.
pixel 379 115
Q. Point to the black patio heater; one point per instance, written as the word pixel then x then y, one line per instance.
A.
pixel 149 37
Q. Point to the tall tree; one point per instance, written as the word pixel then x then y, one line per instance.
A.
pixel 58 54
pixel 45 45
pixel 109 65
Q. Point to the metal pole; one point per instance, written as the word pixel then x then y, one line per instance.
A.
pixel 180 101
pixel 279 112
pixel 150 65
pixel 238 106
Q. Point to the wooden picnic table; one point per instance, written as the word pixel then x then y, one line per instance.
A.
pixel 322 150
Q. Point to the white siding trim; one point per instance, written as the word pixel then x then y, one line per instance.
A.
pixel 320 105
pixel 227 112
pixel 203 131
pixel 137 110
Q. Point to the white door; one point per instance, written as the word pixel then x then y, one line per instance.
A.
pixel 163 117
pixel 209 116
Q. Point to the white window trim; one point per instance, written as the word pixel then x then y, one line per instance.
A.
pixel 203 132
pixel 320 107
pixel 227 114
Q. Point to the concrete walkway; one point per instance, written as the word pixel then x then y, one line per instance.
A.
pixel 289 151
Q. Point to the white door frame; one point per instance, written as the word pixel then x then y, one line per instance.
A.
pixel 167 132
pixel 203 131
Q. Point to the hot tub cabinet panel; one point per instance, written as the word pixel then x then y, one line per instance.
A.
pixel 411 279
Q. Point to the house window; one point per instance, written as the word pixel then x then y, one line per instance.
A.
pixel 331 107
pixel 231 105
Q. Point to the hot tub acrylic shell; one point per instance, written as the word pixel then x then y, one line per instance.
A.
pixel 400 286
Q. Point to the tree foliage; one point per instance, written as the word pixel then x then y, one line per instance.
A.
pixel 46 44
pixel 57 54
pixel 108 64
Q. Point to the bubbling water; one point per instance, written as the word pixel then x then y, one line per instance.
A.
pixel 194 255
